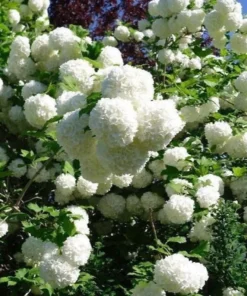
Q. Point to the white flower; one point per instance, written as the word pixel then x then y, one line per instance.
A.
pixel 77 249
pixel 163 8
pixel 70 101
pixel 65 184
pixel 178 186
pixel 20 47
pixel 243 27
pixel 78 211
pixel 217 133
pixel 212 180
pixel 201 230
pixel 14 17
pixel 175 6
pixel 236 146
pixel 43 176
pixel 32 88
pixel 61 38
pixel 179 209
pixel 240 102
pixel 80 72
pixel 3 228
pixel 233 21
pixel 207 196
pixel 166 56
pixel 148 289
pixel 71 133
pixel 122 33
pixel 134 205
pixel 149 34
pixel 143 24
pixel 59 273
pixel 112 205
pixel 114 121
pixel 17 167
pixel 195 64
pixel 86 188
pixel 109 41
pixel 39 109
pixel 239 188
pixel 157 166
pixel 232 292
pixel 36 5
pixel 110 56
pixel 238 43
pixel 128 83
pixel 16 114
pixel 241 82
pixel 81 221
pixel 225 6
pixel 3 156
pixel 138 36
pixel 160 28
pixel 104 188
pixel 122 181
pixel 176 157
pixel 214 21
pixel 151 201
pixel 40 48
pixel 177 274
pixel 158 123
pixel 142 179
pixel 153 8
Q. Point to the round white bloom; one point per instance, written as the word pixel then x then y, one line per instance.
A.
pixel 158 123
pixel 212 106
pixel 20 47
pixel 32 88
pixel 122 181
pixel 236 146
pixel 114 121
pixel 39 109
pixel 3 228
pixel 176 157
pixel 178 186
pixel 151 201
pixel 81 223
pixel 148 289
pixel 138 36
pixel 3 156
pixel 153 8
pixel 175 6
pixel 177 274
pixel 233 21
pixel 179 209
pixel 71 133
pixel 134 205
pixel 160 28
pixel 61 38
pixel 240 102
pixel 112 205
pixel 212 180
pixel 163 8
pixel 109 41
pixel 191 113
pixel 239 188
pixel 77 249
pixel 86 188
pixel 214 21
pixel 40 48
pixel 128 83
pixel 122 33
pixel 78 211
pixel 80 72
pixel 43 176
pixel 16 114
pixel 59 273
pixel 232 292
pixel 195 64
pixel 122 160
pixel 14 17
pixel 201 230
pixel 238 43
pixel 69 101
pixel 207 196
pixel 157 166
pixel 241 82
pixel 142 179
pixel 243 27
pixel 217 133
pixel 225 6
pixel 166 56
pixel 18 167
pixel 110 56
pixel 65 184
pixel 104 188
pixel 36 5
pixel 149 34
pixel 143 24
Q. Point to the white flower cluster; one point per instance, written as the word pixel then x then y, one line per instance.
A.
pixel 217 133
pixel 239 188
pixel 240 102
pixel 147 289
pixel 201 230
pixel 232 292
pixel 3 228
pixel 17 167
pixel 177 274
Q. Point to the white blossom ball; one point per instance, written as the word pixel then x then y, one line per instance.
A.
pixel 112 205
pixel 241 82
pixel 243 27
pixel 122 33
pixel 153 8
pixel 17 167
pixel 77 249
pixel 122 181
pixel 232 292
pixel 36 5
pixel 109 41
pixel 86 188
pixel 201 231
pixel 65 184
pixel 58 272
pixel 151 201
pixel 14 17
pixel 212 180
pixel 40 48
pixel 240 102
pixel 176 157
pixel 179 209
pixel 166 56
pixel 69 101
pixel 233 21
pixel 32 88
pixel 39 109
pixel 104 188
pixel 61 38
pixel 43 176
pixel 128 83
pixel 3 228
pixel 143 24
pixel 177 274
pixel 110 56
pixel 175 6
pixel 238 43
pixel 80 72
pixel 134 205
pixel 142 179
pixel 81 220
pixel 207 196
pixel 20 47
pixel 157 166
pixel 160 28
pixel 114 121
pixel 214 21
pixel 236 146
pixel 239 188
pixel 138 36
pixel 178 186
pixel 16 114
pixel 148 289
pixel 78 211
pixel 217 133
pixel 225 6
pixel 163 8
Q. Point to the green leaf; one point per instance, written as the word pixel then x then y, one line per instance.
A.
pixel 94 63
pixel 177 239
pixel 238 171
pixel 68 168
pixel 20 274
pixel 34 207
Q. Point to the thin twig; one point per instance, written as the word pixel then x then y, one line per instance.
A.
pixel 152 225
